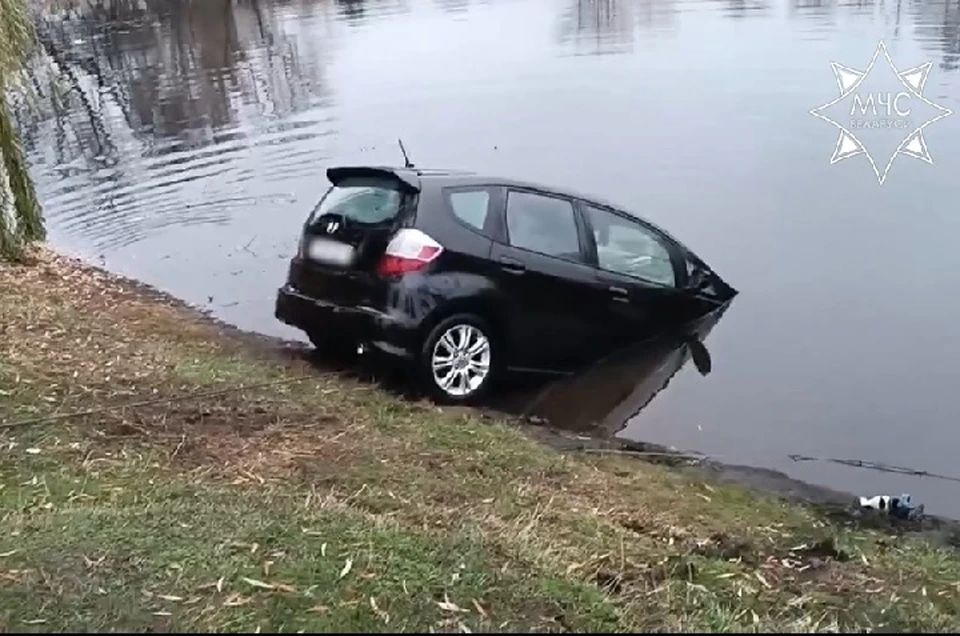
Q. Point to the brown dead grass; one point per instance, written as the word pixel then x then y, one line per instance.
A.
pixel 671 550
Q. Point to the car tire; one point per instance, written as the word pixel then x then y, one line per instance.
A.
pixel 480 369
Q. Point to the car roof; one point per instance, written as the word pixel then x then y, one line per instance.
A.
pixel 414 176
pixel 454 178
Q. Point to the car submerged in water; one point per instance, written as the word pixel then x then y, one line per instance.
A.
pixel 465 276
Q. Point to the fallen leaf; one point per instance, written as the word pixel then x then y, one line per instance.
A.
pixel 256 583
pixel 449 606
pixel 283 587
pixel 33 451
pixel 323 550
pixel 319 609
pixel 235 600
pixel 379 612
pixel 798 601
pixel 162 614
pixel 6 554
pixel 170 597
pixel 574 566
pixel 220 584
pixel 346 568
pixel 480 609
pixel 762 580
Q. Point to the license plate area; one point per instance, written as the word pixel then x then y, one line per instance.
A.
pixel 324 250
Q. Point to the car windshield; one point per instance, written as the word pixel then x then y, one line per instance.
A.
pixel 363 200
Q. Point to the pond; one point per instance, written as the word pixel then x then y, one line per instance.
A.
pixel 183 143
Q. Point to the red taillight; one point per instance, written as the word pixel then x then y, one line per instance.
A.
pixel 409 251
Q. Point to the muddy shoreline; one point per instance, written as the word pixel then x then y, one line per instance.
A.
pixel 834 504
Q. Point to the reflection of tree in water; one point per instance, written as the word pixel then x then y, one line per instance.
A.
pixel 156 77
pixel 938 29
pixel 824 11
pixel 745 8
pixel 357 12
pixel 352 10
pixel 655 15
pixel 598 26
pixel 180 68
pixel 936 22
pixel 453 6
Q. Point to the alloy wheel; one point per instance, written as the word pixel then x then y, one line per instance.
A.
pixel 460 360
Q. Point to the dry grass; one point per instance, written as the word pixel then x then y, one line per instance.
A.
pixel 325 503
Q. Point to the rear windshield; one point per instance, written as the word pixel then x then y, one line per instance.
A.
pixel 368 201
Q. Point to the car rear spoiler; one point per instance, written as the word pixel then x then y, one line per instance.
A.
pixel 406 177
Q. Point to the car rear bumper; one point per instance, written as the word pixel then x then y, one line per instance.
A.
pixel 366 325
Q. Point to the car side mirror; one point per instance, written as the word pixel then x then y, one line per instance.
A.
pixel 697 279
pixel 700 354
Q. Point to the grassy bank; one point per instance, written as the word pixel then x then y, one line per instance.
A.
pixel 318 502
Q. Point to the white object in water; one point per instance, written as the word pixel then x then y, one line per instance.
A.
pixel 878 502
pixel 885 502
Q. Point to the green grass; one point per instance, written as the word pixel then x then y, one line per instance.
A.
pixel 126 552
pixel 241 511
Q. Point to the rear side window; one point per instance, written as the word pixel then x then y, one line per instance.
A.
pixel 543 224
pixel 470 206
pixel 364 200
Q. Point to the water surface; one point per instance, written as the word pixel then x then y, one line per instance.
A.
pixel 183 143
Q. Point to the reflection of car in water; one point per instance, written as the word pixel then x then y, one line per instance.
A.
pixel 604 397
pixel 464 276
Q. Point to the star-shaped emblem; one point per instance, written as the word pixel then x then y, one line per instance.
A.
pixel 883 110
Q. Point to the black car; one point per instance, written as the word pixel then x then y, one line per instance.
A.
pixel 467 276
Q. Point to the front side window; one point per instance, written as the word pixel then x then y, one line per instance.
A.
pixel 368 201
pixel 542 224
pixel 626 247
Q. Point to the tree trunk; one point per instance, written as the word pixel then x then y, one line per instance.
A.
pixel 21 220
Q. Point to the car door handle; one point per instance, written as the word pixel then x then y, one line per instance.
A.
pixel 512 265
pixel 619 293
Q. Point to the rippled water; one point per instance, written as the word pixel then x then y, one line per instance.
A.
pixel 184 142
